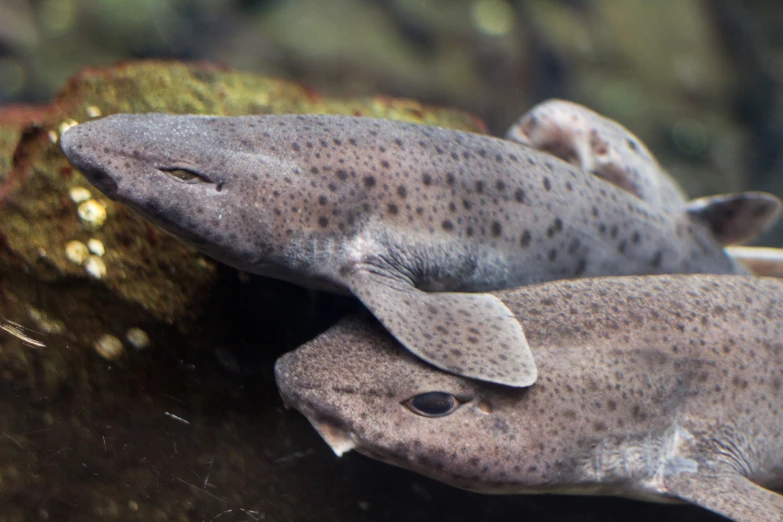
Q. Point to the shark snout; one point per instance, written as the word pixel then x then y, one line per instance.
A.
pixel 300 394
pixel 288 375
pixel 78 145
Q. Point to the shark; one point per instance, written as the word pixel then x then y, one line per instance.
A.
pixel 604 148
pixel 662 388
pixel 417 222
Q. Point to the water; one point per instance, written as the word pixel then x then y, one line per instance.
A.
pixel 191 427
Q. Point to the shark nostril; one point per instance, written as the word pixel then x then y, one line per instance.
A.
pixel 102 180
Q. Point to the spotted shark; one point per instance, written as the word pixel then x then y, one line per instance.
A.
pixel 665 388
pixel 418 222
pixel 604 148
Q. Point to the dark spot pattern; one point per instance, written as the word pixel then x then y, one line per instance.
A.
pixel 443 209
pixel 614 403
pixel 526 238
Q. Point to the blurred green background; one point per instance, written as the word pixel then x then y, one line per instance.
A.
pixel 698 80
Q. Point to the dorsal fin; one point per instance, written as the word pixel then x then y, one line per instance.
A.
pixel 735 218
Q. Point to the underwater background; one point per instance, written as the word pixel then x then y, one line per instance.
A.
pixel 153 396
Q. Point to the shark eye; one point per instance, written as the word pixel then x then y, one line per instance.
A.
pixel 432 404
pixel 185 175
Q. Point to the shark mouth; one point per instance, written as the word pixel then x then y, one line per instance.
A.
pixel 335 433
pixel 339 439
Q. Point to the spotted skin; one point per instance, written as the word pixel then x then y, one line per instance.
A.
pixel 660 388
pixel 394 213
pixel 605 148
pixel 599 146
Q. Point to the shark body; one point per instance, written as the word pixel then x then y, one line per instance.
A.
pixel 415 221
pixel 660 388
pixel 604 148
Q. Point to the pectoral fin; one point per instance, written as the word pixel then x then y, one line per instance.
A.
pixel 735 218
pixel 471 335
pixel 727 494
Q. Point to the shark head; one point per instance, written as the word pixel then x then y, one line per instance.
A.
pixel 194 176
pixel 362 390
